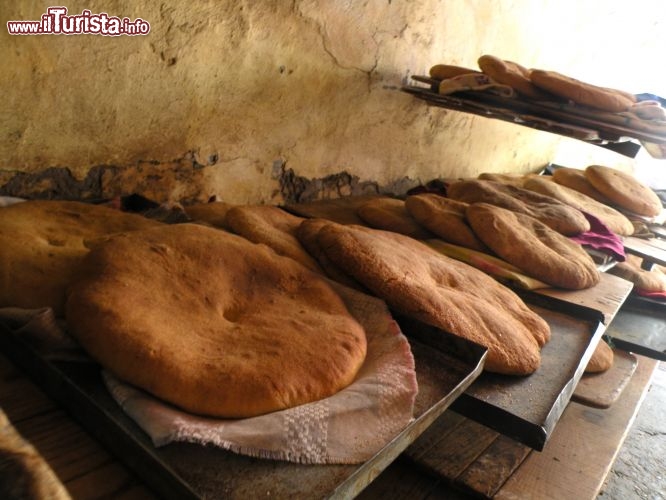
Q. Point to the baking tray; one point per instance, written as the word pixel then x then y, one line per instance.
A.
pixel 640 327
pixel 189 471
pixel 652 250
pixel 528 408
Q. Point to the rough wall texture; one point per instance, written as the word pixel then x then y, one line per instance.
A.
pixel 266 101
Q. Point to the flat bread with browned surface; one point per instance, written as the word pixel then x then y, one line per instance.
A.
pixel 575 179
pixel 445 218
pixel 601 360
pixel 648 281
pixel 421 283
pixel 390 214
pixel 513 179
pixel 512 74
pixel 212 323
pixel 558 216
pixel 445 71
pixel 271 226
pixel 580 92
pixel 532 246
pixel 624 190
pixel 42 244
pixel 214 213
pixel 308 234
pixel 614 220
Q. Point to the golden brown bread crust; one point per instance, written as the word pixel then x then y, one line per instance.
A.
pixel 601 360
pixel 444 71
pixel 512 74
pixel 308 234
pixel 213 323
pixel 214 213
pixel 419 282
pixel 649 281
pixel 583 93
pixel 390 214
pixel 555 214
pixel 624 190
pixel 445 218
pixel 271 226
pixel 43 242
pixel 575 179
pixel 532 246
pixel 614 220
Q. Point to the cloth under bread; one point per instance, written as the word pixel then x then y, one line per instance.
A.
pixel 324 432
pixel 599 237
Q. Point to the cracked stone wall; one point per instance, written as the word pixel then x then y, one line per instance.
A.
pixel 271 101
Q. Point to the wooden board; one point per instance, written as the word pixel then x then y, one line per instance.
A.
pixel 652 251
pixel 606 297
pixel 86 469
pixel 601 390
pixel 582 449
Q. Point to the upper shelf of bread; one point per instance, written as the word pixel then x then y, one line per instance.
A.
pixel 546 100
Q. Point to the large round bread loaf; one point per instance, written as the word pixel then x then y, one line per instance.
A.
pixel 445 218
pixel 580 92
pixel 213 323
pixel 575 179
pixel 532 246
pixel 42 243
pixel 624 190
pixel 553 213
pixel 614 220
pixel 391 214
pixel 601 360
pixel 512 74
pixel 271 226
pixel 421 283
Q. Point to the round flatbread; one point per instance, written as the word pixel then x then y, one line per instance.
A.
pixel 512 74
pixel 649 281
pixel 553 213
pixel 624 190
pixel 601 360
pixel 445 71
pixel 271 226
pixel 308 234
pixel 423 284
pixel 42 243
pixel 390 214
pixel 532 246
pixel 583 93
pixel 445 218
pixel 575 179
pixel 614 220
pixel 213 323
pixel 214 213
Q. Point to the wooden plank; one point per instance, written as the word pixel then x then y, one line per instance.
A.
pixel 582 449
pixel 606 297
pixel 438 431
pixel 601 390
pixel 486 475
pixel 66 447
pixel 451 456
pixel 400 480
pixel 109 481
pixel 647 251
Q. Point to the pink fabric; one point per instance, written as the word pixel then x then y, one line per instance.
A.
pixel 600 238
pixel 651 295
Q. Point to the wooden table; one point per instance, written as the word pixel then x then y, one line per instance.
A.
pixel 573 464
